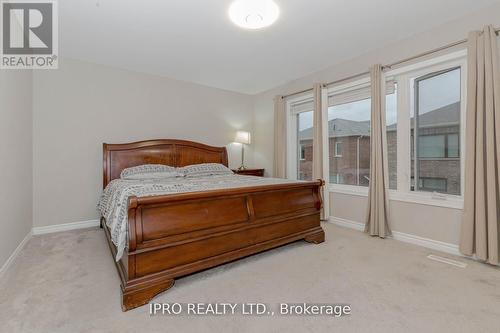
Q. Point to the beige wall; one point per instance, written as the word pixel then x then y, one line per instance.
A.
pixel 437 223
pixel 432 222
pixel 82 105
pixel 16 187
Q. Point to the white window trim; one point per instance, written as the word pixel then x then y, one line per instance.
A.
pixel 404 98
pixel 407 75
pixel 423 198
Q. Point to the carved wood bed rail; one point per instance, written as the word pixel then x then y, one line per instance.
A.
pixel 174 235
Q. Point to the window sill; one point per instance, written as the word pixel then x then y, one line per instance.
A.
pixel 349 189
pixel 430 199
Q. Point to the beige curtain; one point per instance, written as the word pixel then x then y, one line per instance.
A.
pixel 480 226
pixel 377 220
pixel 320 127
pixel 279 137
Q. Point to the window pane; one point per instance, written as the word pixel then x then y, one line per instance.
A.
pixel 304 151
pixel 453 146
pixel 436 129
pixel 431 146
pixel 433 184
pixel 338 149
pixel 349 129
pixel 392 146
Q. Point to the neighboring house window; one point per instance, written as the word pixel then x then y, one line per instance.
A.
pixel 435 132
pixel 439 146
pixel 336 178
pixel 432 184
pixel 302 153
pixel 338 149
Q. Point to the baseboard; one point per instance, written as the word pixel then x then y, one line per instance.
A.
pixel 347 223
pixel 14 254
pixel 403 237
pixel 46 230
pixel 65 227
pixel 427 242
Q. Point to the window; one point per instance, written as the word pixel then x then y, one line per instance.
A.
pixel 439 146
pixel 338 149
pixel 391 122
pixel 432 146
pixel 304 137
pixel 435 132
pixel 302 153
pixel 433 184
pixel 300 138
pixel 336 178
pixel 424 131
pixel 349 121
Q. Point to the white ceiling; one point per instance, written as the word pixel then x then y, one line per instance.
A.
pixel 194 40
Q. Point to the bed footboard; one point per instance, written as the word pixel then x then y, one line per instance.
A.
pixel 175 235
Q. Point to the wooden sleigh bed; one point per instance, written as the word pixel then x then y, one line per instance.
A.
pixel 178 234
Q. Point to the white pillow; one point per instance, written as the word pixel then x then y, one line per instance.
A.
pixel 204 169
pixel 149 171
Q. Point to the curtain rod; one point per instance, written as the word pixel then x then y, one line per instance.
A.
pixel 389 66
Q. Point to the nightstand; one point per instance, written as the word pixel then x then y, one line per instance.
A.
pixel 250 172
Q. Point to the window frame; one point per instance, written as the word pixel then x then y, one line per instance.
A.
pixel 338 89
pixel 415 103
pixel 405 77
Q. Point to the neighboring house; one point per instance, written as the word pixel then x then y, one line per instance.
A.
pixel 349 151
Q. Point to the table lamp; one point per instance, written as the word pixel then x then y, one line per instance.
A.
pixel 242 137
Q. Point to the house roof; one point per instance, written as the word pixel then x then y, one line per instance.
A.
pixel 445 116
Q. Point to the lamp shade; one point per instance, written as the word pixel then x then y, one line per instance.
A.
pixel 242 137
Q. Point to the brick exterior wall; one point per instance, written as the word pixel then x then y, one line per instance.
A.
pixel 392 158
pixel 437 168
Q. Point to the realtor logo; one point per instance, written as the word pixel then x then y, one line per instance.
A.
pixel 29 34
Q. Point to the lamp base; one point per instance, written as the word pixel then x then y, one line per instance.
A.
pixel 242 167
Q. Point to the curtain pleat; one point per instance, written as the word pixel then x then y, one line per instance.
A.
pixel 480 232
pixel 279 138
pixel 377 220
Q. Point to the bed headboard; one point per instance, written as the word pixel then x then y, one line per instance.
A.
pixel 117 157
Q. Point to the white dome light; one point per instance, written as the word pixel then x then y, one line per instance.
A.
pixel 254 14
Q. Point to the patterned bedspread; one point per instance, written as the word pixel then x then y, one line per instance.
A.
pixel 114 200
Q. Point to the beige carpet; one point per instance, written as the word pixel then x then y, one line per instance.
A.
pixel 66 282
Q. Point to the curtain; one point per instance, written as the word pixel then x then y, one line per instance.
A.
pixel 320 141
pixel 377 220
pixel 279 138
pixel 480 225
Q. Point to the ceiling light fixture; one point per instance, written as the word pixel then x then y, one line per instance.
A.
pixel 253 14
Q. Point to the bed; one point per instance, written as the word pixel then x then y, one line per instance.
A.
pixel 173 235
